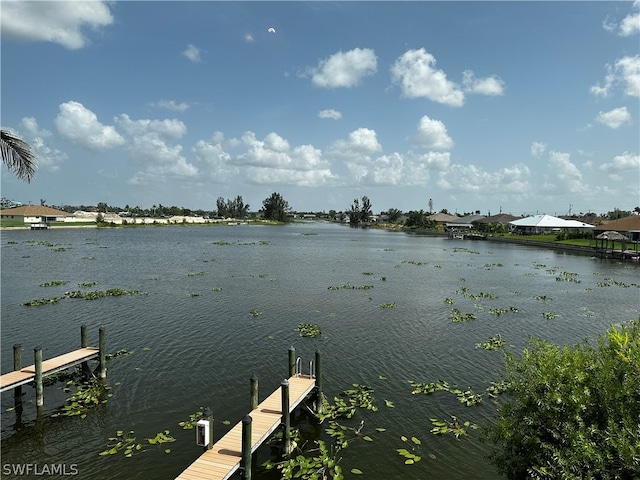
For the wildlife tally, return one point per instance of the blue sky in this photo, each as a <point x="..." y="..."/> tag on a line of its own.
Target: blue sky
<point x="519" y="107"/>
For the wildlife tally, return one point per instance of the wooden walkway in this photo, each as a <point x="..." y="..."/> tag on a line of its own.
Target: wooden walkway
<point x="223" y="460"/>
<point x="20" y="377"/>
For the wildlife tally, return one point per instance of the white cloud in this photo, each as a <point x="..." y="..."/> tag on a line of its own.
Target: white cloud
<point x="630" y="24"/>
<point x="330" y="113"/>
<point x="568" y="176"/>
<point x="171" y="105"/>
<point x="625" y="161"/>
<point x="537" y="148"/>
<point x="415" y="72"/>
<point x="361" y="142"/>
<point x="169" y="128"/>
<point x="432" y="134"/>
<point x="492" y="85"/>
<point x="57" y="22"/>
<point x="344" y="69"/>
<point x="614" y="118"/>
<point x="47" y="157"/>
<point x="470" y="178"/>
<point x="81" y="126"/>
<point x="192" y="53"/>
<point x="626" y="70"/>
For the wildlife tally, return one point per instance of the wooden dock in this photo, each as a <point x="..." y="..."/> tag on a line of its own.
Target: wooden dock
<point x="224" y="459"/>
<point x="234" y="450"/>
<point x="53" y="365"/>
<point x="41" y="368"/>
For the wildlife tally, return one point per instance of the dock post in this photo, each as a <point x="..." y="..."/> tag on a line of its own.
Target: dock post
<point x="318" y="382"/>
<point x="37" y="353"/>
<point x="246" y="448"/>
<point x="286" y="416"/>
<point x="102" y="346"/>
<point x="207" y="414"/>
<point x="83" y="336"/>
<point x="17" y="366"/>
<point x="254" y="392"/>
<point x="292" y="361"/>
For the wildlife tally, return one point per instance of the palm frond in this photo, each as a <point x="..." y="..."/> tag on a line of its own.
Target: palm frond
<point x="17" y="155"/>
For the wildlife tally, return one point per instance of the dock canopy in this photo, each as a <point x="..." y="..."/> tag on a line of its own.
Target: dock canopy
<point x="611" y="235"/>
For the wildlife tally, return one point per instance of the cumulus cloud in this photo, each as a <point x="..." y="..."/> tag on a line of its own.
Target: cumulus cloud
<point x="416" y="73"/>
<point x="169" y="128"/>
<point x="620" y="163"/>
<point x="48" y="157"/>
<point x="344" y="69"/>
<point x="470" y="178"/>
<point x="330" y="113"/>
<point x="80" y="125"/>
<point x="567" y="175"/>
<point x="59" y="22"/>
<point x="492" y="85"/>
<point x="171" y="105"/>
<point x="537" y="148"/>
<point x="614" y="118"/>
<point x="192" y="53"/>
<point x="361" y="141"/>
<point x="432" y="134"/>
<point x="625" y="71"/>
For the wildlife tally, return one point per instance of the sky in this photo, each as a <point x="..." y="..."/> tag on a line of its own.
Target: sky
<point x="507" y="106"/>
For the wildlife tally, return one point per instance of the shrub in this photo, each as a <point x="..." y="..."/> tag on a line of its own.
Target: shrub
<point x="573" y="412"/>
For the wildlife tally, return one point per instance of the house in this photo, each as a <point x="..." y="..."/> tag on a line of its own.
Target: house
<point x="628" y="226"/>
<point x="545" y="224"/>
<point x="34" y="214"/>
<point x="443" y="218"/>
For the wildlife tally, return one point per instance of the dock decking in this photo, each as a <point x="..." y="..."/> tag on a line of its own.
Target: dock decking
<point x="20" y="377"/>
<point x="223" y="460"/>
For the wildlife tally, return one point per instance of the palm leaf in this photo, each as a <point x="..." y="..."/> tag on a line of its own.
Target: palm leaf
<point x="17" y="155"/>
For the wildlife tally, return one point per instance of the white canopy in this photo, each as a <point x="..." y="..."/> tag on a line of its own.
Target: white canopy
<point x="547" y="221"/>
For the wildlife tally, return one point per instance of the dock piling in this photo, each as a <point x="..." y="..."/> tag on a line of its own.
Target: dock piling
<point x="83" y="336"/>
<point x="286" y="417"/>
<point x="318" y="382"/>
<point x="37" y="354"/>
<point x="103" y="352"/>
<point x="246" y="448"/>
<point x="17" y="366"/>
<point x="292" y="361"/>
<point x="254" y="392"/>
<point x="207" y="414"/>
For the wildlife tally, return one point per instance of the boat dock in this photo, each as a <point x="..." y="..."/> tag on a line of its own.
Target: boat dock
<point x="40" y="369"/>
<point x="233" y="451"/>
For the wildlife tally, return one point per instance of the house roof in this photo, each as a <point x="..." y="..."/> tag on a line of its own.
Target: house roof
<point x="443" y="217"/>
<point x="34" y="211"/>
<point x="500" y="218"/>
<point x="626" y="224"/>
<point x="548" y="221"/>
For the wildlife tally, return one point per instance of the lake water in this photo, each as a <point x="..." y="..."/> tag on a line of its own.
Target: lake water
<point x="195" y="342"/>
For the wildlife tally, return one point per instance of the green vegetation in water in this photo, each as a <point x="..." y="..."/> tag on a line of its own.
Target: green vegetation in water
<point x="465" y="250"/>
<point x="387" y="305"/>
<point x="88" y="394"/>
<point x="542" y="297"/>
<point x="609" y="282"/>
<point x="221" y="242"/>
<point x="54" y="283"/>
<point x="255" y="313"/>
<point x="193" y="294"/>
<point x="494" y="343"/>
<point x="549" y="315"/>
<point x="308" y="330"/>
<point x="216" y="289"/>
<point x="454" y="426"/>
<point x="126" y="443"/>
<point x="414" y="262"/>
<point x="456" y="316"/>
<point x="112" y="292"/>
<point x="568" y="277"/>
<point x="410" y="457"/>
<point x="87" y="284"/>
<point x="195" y="274"/>
<point x="120" y="353"/>
<point x="348" y="286"/>
<point x="42" y="301"/>
<point x="502" y="311"/>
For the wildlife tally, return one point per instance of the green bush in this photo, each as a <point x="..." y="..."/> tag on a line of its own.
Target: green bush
<point x="573" y="413"/>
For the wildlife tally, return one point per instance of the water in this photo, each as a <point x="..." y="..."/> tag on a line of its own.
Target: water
<point x="195" y="343"/>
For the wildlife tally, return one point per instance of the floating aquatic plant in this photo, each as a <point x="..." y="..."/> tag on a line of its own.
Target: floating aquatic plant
<point x="308" y="330"/>
<point x="454" y="426"/>
<point x="54" y="283"/>
<point x="493" y="343"/>
<point x="42" y="301"/>
<point x="255" y="313"/>
<point x="195" y="274"/>
<point x="387" y="305"/>
<point x="456" y="316"/>
<point x="88" y="394"/>
<point x="410" y="458"/>
<point x="87" y="284"/>
<point x="549" y="315"/>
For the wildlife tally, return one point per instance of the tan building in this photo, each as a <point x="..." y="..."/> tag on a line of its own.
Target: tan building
<point x="34" y="214"/>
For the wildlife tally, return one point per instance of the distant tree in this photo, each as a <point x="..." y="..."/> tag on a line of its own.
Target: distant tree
<point x="276" y="208"/>
<point x="332" y="214"/>
<point x="237" y="207"/>
<point x="354" y="212"/>
<point x="17" y="155"/>
<point x="102" y="207"/>
<point x="637" y="210"/>
<point x="617" y="213"/>
<point x="394" y="214"/>
<point x="365" y="209"/>
<point x="445" y="211"/>
<point x="221" y="207"/>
